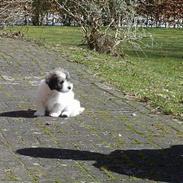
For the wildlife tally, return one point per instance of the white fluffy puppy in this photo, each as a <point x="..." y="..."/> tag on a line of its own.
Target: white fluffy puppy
<point x="56" y="97"/>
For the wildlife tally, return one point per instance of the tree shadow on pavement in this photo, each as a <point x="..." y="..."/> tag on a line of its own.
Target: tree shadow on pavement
<point x="19" y="114"/>
<point x="153" y="164"/>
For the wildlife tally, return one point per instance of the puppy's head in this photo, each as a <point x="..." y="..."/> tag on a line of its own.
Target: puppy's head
<point x="59" y="80"/>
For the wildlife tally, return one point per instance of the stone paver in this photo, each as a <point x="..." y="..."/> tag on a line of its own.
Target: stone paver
<point x="107" y="143"/>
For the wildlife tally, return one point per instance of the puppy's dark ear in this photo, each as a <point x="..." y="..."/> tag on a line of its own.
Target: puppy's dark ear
<point x="52" y="81"/>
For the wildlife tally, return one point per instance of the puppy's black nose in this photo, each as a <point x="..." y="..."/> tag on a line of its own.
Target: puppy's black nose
<point x="69" y="87"/>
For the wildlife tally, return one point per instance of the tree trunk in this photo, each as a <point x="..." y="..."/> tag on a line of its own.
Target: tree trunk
<point x="35" y="20"/>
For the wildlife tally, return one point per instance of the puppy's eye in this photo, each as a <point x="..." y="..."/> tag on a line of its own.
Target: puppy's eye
<point x="61" y="82"/>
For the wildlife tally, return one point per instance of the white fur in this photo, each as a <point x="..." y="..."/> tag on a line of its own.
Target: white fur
<point x="68" y="105"/>
<point x="43" y="94"/>
<point x="47" y="99"/>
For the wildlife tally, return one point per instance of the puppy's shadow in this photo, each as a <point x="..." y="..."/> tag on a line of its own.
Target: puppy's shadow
<point x="19" y="114"/>
<point x="24" y="114"/>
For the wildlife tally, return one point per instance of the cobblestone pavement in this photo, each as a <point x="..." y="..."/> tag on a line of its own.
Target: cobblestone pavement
<point x="114" y="140"/>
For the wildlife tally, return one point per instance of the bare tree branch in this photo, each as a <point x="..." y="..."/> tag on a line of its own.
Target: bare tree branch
<point x="13" y="10"/>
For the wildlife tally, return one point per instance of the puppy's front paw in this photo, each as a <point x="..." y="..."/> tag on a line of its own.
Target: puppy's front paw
<point x="65" y="115"/>
<point x="39" y="113"/>
<point x="81" y="109"/>
<point x="54" y="114"/>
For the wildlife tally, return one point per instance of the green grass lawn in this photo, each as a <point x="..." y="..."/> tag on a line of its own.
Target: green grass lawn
<point x="154" y="75"/>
